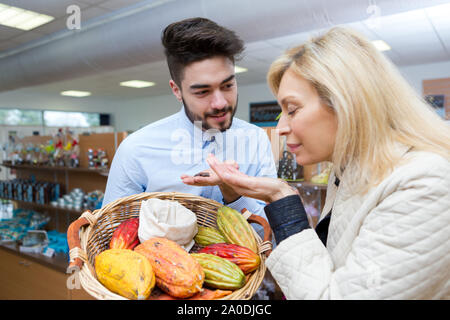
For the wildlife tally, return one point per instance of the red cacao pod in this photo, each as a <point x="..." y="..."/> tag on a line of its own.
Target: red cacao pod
<point x="126" y="235"/>
<point x="243" y="257"/>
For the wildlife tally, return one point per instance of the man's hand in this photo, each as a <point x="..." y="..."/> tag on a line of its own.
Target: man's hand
<point x="210" y="178"/>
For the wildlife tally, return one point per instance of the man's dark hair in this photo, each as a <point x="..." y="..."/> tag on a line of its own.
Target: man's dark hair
<point x="196" y="39"/>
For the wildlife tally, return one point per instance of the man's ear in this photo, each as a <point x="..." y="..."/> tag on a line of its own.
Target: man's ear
<point x="175" y="90"/>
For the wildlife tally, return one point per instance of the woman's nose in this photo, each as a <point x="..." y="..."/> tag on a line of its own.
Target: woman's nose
<point x="283" y="126"/>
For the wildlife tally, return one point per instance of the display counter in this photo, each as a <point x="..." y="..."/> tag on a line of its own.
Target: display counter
<point x="32" y="276"/>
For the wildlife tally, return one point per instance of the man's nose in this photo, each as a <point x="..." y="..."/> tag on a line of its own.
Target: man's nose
<point x="218" y="101"/>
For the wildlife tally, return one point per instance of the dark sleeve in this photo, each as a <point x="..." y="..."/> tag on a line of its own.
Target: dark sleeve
<point x="286" y="217"/>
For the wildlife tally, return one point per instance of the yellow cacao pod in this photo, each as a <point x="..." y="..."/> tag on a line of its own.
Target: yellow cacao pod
<point x="208" y="235"/>
<point x="235" y="228"/>
<point x="125" y="272"/>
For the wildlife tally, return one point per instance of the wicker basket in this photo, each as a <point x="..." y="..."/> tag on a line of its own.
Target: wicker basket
<point x="90" y="234"/>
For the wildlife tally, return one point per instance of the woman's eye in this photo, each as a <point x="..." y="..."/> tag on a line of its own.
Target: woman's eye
<point x="291" y="112"/>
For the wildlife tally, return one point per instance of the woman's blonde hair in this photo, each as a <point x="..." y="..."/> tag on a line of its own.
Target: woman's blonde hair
<point x="376" y="108"/>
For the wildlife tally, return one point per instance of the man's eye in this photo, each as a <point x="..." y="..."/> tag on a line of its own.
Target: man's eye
<point x="228" y="86"/>
<point x="199" y="93"/>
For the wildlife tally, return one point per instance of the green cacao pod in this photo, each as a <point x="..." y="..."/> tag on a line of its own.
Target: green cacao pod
<point x="208" y="235"/>
<point x="235" y="228"/>
<point x="219" y="272"/>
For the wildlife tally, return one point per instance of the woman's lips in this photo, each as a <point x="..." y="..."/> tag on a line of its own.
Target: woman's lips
<point x="293" y="147"/>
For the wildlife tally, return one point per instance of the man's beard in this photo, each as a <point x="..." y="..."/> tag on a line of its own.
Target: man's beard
<point x="205" y="126"/>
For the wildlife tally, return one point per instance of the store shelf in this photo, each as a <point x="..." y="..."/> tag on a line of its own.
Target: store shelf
<point x="44" y="206"/>
<point x="84" y="178"/>
<point x="103" y="172"/>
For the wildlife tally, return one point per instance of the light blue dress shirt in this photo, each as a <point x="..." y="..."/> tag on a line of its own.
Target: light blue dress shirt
<point x="153" y="158"/>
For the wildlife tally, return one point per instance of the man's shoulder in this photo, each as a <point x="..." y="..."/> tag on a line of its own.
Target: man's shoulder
<point x="167" y="122"/>
<point x="155" y="131"/>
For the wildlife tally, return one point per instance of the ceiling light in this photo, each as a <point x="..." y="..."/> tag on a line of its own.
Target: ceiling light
<point x="22" y="19"/>
<point x="381" y="45"/>
<point x="137" y="84"/>
<point x="75" y="93"/>
<point x="238" y="69"/>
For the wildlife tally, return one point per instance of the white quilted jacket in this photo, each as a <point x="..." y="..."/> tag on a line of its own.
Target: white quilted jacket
<point x="392" y="243"/>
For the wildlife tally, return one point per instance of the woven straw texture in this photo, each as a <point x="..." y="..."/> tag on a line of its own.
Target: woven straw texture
<point x="96" y="236"/>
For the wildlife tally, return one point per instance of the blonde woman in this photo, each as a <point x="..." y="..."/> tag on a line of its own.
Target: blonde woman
<point x="384" y="229"/>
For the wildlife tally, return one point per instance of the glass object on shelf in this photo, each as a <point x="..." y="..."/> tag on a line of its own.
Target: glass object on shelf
<point x="310" y="198"/>
<point x="322" y="173"/>
<point x="97" y="158"/>
<point x="288" y="168"/>
<point x="16" y="228"/>
<point x="285" y="166"/>
<point x="6" y="209"/>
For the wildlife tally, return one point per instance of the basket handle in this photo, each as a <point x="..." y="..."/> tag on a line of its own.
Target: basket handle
<point x="267" y="241"/>
<point x="73" y="238"/>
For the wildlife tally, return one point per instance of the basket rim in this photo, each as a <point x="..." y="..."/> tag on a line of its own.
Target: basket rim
<point x="88" y="278"/>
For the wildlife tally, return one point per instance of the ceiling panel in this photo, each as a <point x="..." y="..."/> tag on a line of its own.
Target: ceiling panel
<point x="5" y="45"/>
<point x="291" y="40"/>
<point x="118" y="4"/>
<point x="90" y="9"/>
<point x="439" y="17"/>
<point x="54" y="8"/>
<point x="26" y="37"/>
<point x="8" y="33"/>
<point x="92" y="2"/>
<point x="416" y="37"/>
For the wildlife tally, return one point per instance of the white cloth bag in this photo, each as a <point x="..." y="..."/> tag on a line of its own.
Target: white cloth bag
<point x="167" y="219"/>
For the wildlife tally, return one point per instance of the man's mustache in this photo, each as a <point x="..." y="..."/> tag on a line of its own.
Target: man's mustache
<point x="216" y="111"/>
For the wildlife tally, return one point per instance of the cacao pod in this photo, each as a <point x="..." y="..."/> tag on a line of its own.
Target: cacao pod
<point x="219" y="272"/>
<point x="243" y="257"/>
<point x="125" y="272"/>
<point x="235" y="228"/>
<point x="126" y="235"/>
<point x="177" y="273"/>
<point x="208" y="235"/>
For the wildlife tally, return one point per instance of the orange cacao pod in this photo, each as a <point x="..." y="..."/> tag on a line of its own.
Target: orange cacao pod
<point x="126" y="235"/>
<point x="243" y="257"/>
<point x="177" y="273"/>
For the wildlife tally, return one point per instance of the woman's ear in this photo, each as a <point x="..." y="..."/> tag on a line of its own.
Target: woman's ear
<point x="175" y="90"/>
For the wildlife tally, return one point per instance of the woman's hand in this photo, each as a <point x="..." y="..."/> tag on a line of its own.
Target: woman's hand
<point x="210" y="178"/>
<point x="262" y="188"/>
